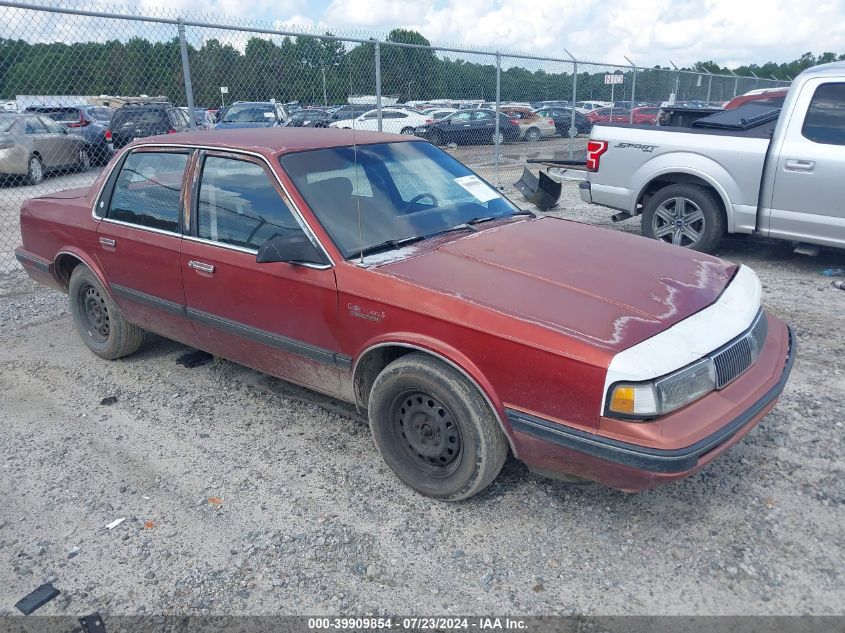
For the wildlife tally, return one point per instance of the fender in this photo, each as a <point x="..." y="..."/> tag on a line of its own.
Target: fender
<point x="697" y="165"/>
<point x="452" y="357"/>
<point x="85" y="259"/>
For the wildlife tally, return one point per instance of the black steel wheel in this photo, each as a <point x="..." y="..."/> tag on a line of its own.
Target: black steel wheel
<point x="95" y="312"/>
<point x="435" y="429"/>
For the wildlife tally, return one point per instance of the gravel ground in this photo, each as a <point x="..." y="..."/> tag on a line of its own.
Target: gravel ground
<point x="244" y="494"/>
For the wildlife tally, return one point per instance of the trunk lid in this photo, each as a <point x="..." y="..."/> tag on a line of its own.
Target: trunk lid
<point x="607" y="288"/>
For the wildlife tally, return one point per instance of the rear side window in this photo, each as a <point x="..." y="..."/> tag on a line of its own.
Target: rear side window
<point x="239" y="205"/>
<point x="825" y="120"/>
<point x="148" y="190"/>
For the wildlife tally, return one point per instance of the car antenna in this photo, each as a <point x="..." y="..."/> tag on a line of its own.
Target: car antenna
<point x="355" y="167"/>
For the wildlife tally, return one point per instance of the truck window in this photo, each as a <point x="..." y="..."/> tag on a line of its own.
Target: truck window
<point x="825" y="120"/>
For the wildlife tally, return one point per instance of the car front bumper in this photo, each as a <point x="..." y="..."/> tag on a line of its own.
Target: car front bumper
<point x="553" y="449"/>
<point x="14" y="160"/>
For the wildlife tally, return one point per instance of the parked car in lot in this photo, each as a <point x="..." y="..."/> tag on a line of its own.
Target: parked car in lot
<point x="755" y="169"/>
<point x="88" y="121"/>
<point x="246" y="114"/>
<point x="395" y="120"/>
<point x="351" y="111"/>
<point x="775" y="96"/>
<point x="203" y="119"/>
<point x="138" y="120"/>
<point x="379" y="270"/>
<point x="309" y="118"/>
<point x="562" y="118"/>
<point x="645" y="115"/>
<point x="609" y="115"/>
<point x="585" y="107"/>
<point x="435" y="114"/>
<point x="532" y="126"/>
<point x="33" y="146"/>
<point x="470" y="127"/>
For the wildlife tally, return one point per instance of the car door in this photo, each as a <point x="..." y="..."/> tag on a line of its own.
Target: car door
<point x="483" y="124"/>
<point x="139" y="239"/>
<point x="42" y="141"/>
<point x="808" y="196"/>
<point x="62" y="144"/>
<point x="280" y="318"/>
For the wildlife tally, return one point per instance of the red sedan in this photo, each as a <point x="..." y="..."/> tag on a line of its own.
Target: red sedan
<point x="378" y="269"/>
<point x="609" y="115"/>
<point x="646" y="115"/>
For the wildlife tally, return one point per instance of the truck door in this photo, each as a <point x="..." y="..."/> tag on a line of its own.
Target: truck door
<point x="808" y="194"/>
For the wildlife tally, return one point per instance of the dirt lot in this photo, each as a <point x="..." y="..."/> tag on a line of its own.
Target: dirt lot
<point x="310" y="520"/>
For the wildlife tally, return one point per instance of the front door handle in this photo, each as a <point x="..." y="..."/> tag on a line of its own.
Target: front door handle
<point x="795" y="164"/>
<point x="108" y="242"/>
<point x="200" y="266"/>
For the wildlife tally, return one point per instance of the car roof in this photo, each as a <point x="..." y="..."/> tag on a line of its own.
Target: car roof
<point x="276" y="140"/>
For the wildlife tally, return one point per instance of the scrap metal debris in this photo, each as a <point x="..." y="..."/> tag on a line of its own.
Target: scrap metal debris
<point x="37" y="598"/>
<point x="542" y="192"/>
<point x="197" y="358"/>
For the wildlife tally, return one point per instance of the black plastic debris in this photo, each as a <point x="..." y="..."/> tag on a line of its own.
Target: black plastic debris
<point x="195" y="359"/>
<point x="93" y="623"/>
<point x="542" y="192"/>
<point x="37" y="598"/>
<point x="108" y="400"/>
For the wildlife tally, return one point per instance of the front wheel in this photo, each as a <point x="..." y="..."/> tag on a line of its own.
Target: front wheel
<point x="684" y="215"/>
<point x="498" y="138"/>
<point x="35" y="171"/>
<point x="434" y="429"/>
<point x="99" y="321"/>
<point x="407" y="131"/>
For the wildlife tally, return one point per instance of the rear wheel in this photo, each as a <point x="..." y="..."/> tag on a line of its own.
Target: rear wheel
<point x="498" y="138"/>
<point x="434" y="429"/>
<point x="83" y="159"/>
<point x="532" y="134"/>
<point x="99" y="321"/>
<point x="407" y="131"/>
<point x="35" y="170"/>
<point x="684" y="215"/>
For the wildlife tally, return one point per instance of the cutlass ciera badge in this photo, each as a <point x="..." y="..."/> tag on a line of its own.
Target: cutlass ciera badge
<point x="365" y="313"/>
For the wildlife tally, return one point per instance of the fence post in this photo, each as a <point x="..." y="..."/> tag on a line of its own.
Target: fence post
<point x="573" y="132"/>
<point x="186" y="72"/>
<point x="633" y="90"/>
<point x="709" y="86"/>
<point x="498" y="101"/>
<point x="378" y="84"/>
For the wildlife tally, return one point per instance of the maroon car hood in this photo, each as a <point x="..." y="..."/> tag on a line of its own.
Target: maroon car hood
<point x="608" y="288"/>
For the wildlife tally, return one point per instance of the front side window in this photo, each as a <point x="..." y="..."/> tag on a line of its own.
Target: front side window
<point x="239" y="205"/>
<point x="388" y="193"/>
<point x="52" y="126"/>
<point x="825" y="120"/>
<point x="34" y="126"/>
<point x="148" y="190"/>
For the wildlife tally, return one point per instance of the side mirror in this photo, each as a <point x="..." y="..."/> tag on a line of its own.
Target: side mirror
<point x="294" y="249"/>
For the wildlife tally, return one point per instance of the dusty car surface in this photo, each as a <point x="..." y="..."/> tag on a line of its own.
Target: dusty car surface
<point x="378" y="269"/>
<point x="32" y="146"/>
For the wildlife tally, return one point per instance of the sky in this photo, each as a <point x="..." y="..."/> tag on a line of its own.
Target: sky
<point x="729" y="32"/>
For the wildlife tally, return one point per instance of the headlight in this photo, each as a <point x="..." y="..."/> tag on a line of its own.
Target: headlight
<point x="652" y="398"/>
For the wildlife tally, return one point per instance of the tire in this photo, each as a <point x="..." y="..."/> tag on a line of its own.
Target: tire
<point x="700" y="226"/>
<point x="501" y="137"/>
<point x="83" y="159"/>
<point x="532" y="135"/>
<point x="407" y="131"/>
<point x="35" y="170"/>
<point x="434" y="429"/>
<point x="98" y="320"/>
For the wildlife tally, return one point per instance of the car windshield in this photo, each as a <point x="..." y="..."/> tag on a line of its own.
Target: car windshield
<point x="249" y="113"/>
<point x="377" y="197"/>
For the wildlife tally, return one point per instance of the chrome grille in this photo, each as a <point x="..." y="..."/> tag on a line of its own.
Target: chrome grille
<point x="738" y="355"/>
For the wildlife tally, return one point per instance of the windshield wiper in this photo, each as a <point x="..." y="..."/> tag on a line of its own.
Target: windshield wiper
<point x="479" y="220"/>
<point x="393" y="244"/>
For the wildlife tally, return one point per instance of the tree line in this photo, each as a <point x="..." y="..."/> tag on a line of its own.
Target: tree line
<point x="312" y="70"/>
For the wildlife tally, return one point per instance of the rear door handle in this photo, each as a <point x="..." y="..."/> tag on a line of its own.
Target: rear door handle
<point x="795" y="164"/>
<point x="108" y="242"/>
<point x="200" y="266"/>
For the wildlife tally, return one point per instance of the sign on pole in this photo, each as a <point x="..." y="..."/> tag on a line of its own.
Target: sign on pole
<point x="224" y="90"/>
<point x="614" y="79"/>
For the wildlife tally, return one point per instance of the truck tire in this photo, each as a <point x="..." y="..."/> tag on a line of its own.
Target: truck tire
<point x="685" y="215"/>
<point x="99" y="321"/>
<point x="434" y="429"/>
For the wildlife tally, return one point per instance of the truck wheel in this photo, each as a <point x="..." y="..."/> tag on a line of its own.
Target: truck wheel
<point x="684" y="215"/>
<point x="98" y="320"/>
<point x="434" y="429"/>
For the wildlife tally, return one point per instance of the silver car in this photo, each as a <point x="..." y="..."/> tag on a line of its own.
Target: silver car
<point x="31" y="146"/>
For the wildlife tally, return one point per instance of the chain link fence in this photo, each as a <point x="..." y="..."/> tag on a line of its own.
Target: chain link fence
<point x="71" y="79"/>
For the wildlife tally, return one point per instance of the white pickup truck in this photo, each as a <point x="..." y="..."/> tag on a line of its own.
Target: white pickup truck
<point x="782" y="179"/>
